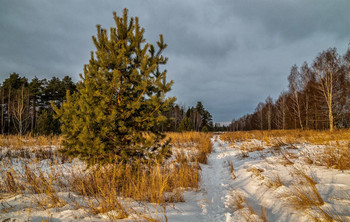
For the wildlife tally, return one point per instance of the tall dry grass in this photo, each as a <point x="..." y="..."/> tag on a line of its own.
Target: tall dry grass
<point x="336" y="153"/>
<point x="26" y="141"/>
<point x="103" y="187"/>
<point x="336" y="156"/>
<point x="155" y="183"/>
<point x="196" y="140"/>
<point x="239" y="203"/>
<point x="303" y="195"/>
<point x="273" y="137"/>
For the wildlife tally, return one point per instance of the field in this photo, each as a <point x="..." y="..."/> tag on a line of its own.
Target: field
<point x="288" y="175"/>
<point x="238" y="176"/>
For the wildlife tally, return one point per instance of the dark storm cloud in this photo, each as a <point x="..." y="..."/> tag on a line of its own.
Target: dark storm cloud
<point x="229" y="54"/>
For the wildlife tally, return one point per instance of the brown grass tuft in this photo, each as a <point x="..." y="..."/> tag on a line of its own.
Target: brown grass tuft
<point x="232" y="170"/>
<point x="240" y="203"/>
<point x="256" y="172"/>
<point x="274" y="182"/>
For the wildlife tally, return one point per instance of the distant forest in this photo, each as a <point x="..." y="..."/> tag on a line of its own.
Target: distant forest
<point x="26" y="108"/>
<point x="318" y="98"/>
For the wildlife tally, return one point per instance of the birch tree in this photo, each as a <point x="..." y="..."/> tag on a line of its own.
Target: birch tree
<point x="20" y="110"/>
<point x="327" y="68"/>
<point x="294" y="88"/>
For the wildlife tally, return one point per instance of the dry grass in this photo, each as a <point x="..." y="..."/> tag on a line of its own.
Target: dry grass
<point x="104" y="188"/>
<point x="250" y="147"/>
<point x="239" y="136"/>
<point x="25" y="141"/>
<point x="154" y="183"/>
<point x="196" y="140"/>
<point x="256" y="172"/>
<point x="243" y="154"/>
<point x="274" y="181"/>
<point x="285" y="157"/>
<point x="331" y="149"/>
<point x="307" y="198"/>
<point x="303" y="177"/>
<point x="262" y="217"/>
<point x="336" y="153"/>
<point x="188" y="138"/>
<point x="303" y="195"/>
<point x="240" y="203"/>
<point x="232" y="170"/>
<point x="337" y="157"/>
<point x="281" y="137"/>
<point x="31" y="180"/>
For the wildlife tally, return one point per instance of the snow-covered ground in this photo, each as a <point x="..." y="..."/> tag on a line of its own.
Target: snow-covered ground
<point x="252" y="188"/>
<point x="243" y="181"/>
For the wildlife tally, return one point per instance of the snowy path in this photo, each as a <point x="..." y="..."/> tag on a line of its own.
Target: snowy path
<point x="216" y="182"/>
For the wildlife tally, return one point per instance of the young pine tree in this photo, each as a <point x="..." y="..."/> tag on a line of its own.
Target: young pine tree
<point x="117" y="110"/>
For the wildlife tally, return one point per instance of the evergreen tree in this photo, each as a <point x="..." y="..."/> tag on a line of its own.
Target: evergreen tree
<point x="206" y="118"/>
<point x="186" y="124"/>
<point x="46" y="123"/>
<point x="117" y="110"/>
<point x="35" y="92"/>
<point x="205" y="129"/>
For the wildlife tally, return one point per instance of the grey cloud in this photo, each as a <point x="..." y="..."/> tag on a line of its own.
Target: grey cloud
<point x="229" y="54"/>
<point x="294" y="19"/>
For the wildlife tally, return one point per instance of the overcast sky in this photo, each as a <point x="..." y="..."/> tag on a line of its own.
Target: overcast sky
<point x="229" y="54"/>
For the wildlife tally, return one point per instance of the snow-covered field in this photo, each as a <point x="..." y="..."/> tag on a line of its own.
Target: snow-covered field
<point x="263" y="185"/>
<point x="243" y="181"/>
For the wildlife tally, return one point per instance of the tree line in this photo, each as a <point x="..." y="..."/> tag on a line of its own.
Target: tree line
<point x="26" y="107"/>
<point x="318" y="98"/>
<point x="192" y="118"/>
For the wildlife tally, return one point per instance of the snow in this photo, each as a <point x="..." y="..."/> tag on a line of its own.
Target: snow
<point x="216" y="182"/>
<point x="222" y="196"/>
